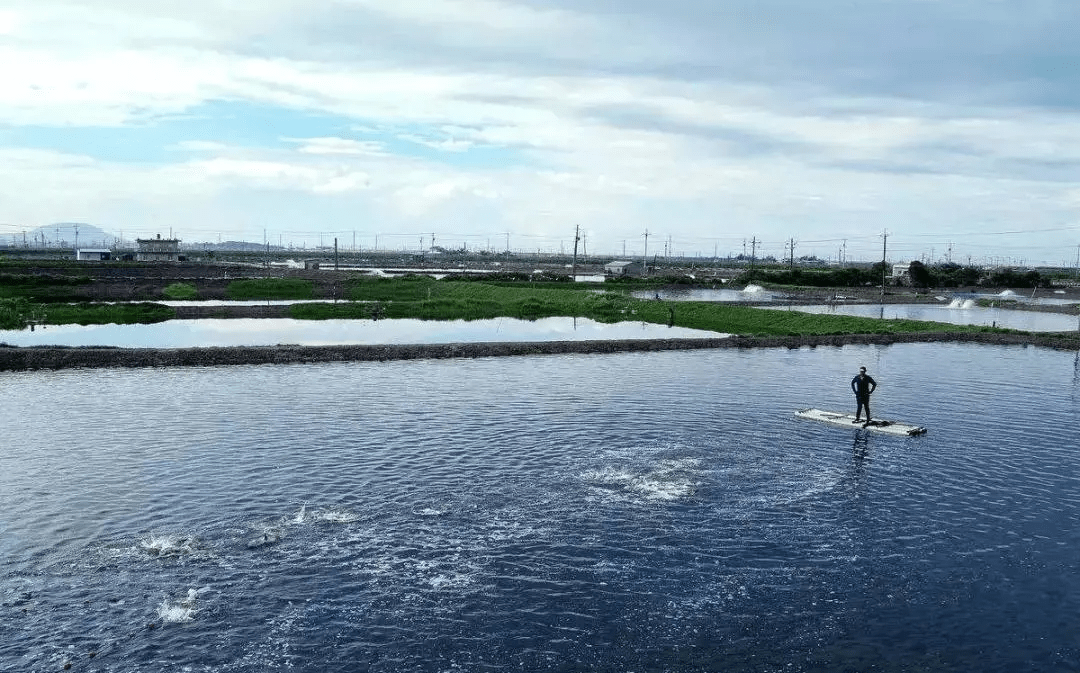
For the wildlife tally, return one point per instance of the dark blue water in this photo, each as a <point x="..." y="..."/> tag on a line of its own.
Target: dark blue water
<point x="633" y="512"/>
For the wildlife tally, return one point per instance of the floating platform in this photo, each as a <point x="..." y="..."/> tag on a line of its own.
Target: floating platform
<point x="848" y="421"/>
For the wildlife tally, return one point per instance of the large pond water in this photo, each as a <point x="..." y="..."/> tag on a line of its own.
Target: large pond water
<point x="629" y="512"/>
<point x="205" y="332"/>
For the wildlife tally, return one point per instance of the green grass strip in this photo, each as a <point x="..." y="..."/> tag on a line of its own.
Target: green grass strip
<point x="180" y="291"/>
<point x="104" y="314"/>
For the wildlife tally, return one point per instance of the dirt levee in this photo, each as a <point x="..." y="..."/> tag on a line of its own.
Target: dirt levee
<point x="29" y="358"/>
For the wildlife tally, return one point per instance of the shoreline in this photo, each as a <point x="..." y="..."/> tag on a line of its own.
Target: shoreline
<point x="32" y="358"/>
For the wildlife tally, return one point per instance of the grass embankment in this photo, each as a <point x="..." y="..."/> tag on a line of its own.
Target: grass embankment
<point x="428" y="299"/>
<point x="103" y="314"/>
<point x="48" y="299"/>
<point x="180" y="291"/>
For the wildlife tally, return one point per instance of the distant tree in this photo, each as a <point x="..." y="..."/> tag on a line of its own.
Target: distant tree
<point x="1014" y="278"/>
<point x="920" y="275"/>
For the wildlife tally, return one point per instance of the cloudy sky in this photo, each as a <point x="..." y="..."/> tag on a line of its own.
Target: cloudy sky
<point x="951" y="125"/>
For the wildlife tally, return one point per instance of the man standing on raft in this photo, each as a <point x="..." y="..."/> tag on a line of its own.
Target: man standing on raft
<point x="863" y="386"/>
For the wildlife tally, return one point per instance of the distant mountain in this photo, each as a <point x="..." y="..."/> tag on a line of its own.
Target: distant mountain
<point x="70" y="234"/>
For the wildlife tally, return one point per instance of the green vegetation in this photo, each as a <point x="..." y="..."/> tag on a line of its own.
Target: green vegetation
<point x="180" y="291"/>
<point x="270" y="288"/>
<point x="845" y="277"/>
<point x="427" y="299"/>
<point x="920" y="275"/>
<point x="523" y="296"/>
<point x="103" y="314"/>
<point x="15" y="313"/>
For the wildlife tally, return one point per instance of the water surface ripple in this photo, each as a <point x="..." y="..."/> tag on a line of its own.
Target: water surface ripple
<point x="660" y="511"/>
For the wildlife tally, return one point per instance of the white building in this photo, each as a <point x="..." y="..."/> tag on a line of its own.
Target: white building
<point x="621" y="268"/>
<point x="93" y="254"/>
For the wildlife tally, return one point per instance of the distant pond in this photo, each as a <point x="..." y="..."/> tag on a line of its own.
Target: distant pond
<point x="274" y="331"/>
<point x="955" y="314"/>
<point x="752" y="293"/>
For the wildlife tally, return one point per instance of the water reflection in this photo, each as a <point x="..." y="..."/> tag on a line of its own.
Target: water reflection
<point x="860" y="454"/>
<point x="959" y="314"/>
<point x="752" y="293"/>
<point x="274" y="331"/>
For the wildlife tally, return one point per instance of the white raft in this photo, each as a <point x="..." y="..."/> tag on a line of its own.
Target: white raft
<point x="848" y="421"/>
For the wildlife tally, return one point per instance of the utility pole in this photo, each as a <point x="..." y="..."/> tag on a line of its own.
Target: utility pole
<point x="791" y="259"/>
<point x="335" y="254"/>
<point x="884" y="244"/>
<point x="577" y="237"/>
<point x="753" y="254"/>
<point x="645" y="257"/>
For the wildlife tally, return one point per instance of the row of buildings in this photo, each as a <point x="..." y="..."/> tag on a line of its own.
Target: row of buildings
<point x="150" y="250"/>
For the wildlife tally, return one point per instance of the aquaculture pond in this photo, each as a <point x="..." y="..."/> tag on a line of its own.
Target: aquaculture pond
<point x="629" y="512"/>
<point x="275" y="331"/>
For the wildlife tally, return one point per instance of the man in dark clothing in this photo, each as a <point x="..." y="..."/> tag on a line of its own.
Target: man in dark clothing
<point x="863" y="386"/>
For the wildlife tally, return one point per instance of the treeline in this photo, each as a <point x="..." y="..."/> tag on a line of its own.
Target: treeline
<point x="919" y="275"/>
<point x="954" y="275"/>
<point x="844" y="277"/>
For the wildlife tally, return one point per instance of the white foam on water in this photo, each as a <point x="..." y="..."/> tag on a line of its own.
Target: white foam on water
<point x="962" y="303"/>
<point x="179" y="611"/>
<point x="165" y="545"/>
<point x="753" y="289"/>
<point x="668" y="481"/>
<point x="332" y="515"/>
<point x="432" y="511"/>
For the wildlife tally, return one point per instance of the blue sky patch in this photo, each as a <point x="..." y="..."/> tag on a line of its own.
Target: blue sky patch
<point x="239" y="124"/>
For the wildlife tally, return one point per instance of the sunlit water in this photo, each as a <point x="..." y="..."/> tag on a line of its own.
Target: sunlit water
<point x="955" y="313"/>
<point x="751" y="293"/>
<point x="1045" y="297"/>
<point x="274" y="331"/>
<point x="632" y="512"/>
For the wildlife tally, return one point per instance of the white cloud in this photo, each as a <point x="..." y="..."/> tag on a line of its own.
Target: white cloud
<point x="617" y="121"/>
<point x="338" y="146"/>
<point x="9" y="21"/>
<point x="199" y="146"/>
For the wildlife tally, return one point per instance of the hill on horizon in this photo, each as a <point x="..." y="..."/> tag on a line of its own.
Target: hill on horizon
<point x="67" y="235"/>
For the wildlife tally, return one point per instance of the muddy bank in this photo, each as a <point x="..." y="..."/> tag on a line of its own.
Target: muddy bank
<point x="31" y="358"/>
